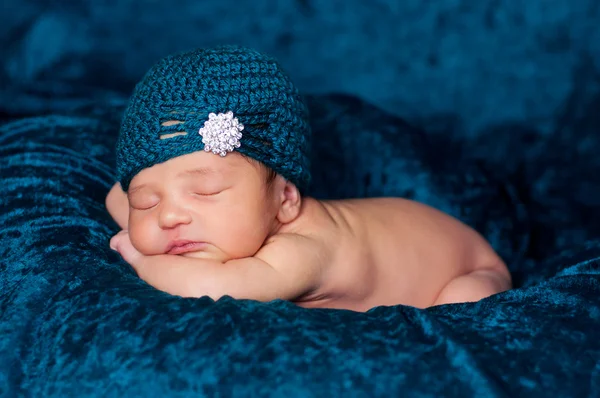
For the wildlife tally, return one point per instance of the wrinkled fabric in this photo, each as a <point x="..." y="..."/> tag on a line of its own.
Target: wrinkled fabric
<point x="452" y="65"/>
<point x="506" y="102"/>
<point x="76" y="320"/>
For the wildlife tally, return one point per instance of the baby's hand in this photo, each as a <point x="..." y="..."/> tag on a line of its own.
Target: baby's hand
<point x="122" y="244"/>
<point x="170" y="273"/>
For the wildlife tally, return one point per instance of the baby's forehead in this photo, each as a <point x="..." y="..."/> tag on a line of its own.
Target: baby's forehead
<point x="201" y="164"/>
<point x="208" y="162"/>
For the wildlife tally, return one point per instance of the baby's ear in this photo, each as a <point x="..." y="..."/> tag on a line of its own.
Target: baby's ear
<point x="290" y="201"/>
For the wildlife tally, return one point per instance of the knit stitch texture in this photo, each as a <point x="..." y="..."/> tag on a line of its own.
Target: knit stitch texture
<point x="185" y="88"/>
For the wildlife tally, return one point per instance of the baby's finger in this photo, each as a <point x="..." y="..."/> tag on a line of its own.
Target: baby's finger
<point x="114" y="242"/>
<point x="128" y="252"/>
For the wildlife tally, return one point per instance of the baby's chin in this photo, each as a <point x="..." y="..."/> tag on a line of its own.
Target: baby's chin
<point x="205" y="255"/>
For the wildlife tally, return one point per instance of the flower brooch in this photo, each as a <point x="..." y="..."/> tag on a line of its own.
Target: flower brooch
<point x="221" y="133"/>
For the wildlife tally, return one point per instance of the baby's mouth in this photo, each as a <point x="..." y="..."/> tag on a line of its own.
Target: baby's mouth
<point x="184" y="246"/>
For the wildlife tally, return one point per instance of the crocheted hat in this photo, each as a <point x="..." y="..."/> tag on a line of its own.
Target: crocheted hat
<point x="217" y="99"/>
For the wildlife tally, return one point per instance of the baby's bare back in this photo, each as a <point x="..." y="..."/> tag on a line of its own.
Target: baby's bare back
<point x="389" y="251"/>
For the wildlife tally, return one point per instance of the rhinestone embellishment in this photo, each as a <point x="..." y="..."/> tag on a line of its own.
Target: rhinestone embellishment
<point x="221" y="133"/>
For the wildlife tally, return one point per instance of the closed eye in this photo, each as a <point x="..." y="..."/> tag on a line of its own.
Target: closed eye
<point x="207" y="193"/>
<point x="138" y="202"/>
<point x="143" y="207"/>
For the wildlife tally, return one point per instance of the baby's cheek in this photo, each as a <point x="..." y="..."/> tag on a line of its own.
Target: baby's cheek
<point x="247" y="235"/>
<point x="237" y="226"/>
<point x="142" y="236"/>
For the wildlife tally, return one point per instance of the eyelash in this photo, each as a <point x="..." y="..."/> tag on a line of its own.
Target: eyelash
<point x="195" y="193"/>
<point x="144" y="208"/>
<point x="207" y="194"/>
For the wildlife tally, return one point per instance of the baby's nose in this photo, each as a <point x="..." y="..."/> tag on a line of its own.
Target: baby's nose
<point x="171" y="216"/>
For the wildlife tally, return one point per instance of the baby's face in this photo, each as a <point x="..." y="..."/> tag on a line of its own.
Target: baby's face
<point x="221" y="206"/>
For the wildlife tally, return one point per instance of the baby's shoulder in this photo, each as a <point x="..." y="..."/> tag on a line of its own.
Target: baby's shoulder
<point x="307" y="236"/>
<point x="289" y="252"/>
<point x="290" y="243"/>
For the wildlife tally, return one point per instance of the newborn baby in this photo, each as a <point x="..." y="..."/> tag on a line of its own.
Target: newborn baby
<point x="212" y="161"/>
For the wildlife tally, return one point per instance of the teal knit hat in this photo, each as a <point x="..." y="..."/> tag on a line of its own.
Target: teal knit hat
<point x="223" y="98"/>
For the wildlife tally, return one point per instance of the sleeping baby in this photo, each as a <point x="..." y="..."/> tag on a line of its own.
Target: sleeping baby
<point x="213" y="166"/>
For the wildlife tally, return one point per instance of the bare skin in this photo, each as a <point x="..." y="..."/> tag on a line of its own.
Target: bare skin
<point x="222" y="230"/>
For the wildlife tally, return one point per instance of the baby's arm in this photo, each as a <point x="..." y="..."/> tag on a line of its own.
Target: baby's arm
<point x="286" y="268"/>
<point x="117" y="205"/>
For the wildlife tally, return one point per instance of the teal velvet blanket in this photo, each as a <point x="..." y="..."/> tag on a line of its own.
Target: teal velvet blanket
<point x="76" y="320"/>
<point x="514" y="155"/>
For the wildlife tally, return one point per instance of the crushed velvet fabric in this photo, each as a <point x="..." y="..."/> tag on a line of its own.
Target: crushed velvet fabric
<point x="506" y="100"/>
<point x="76" y="320"/>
